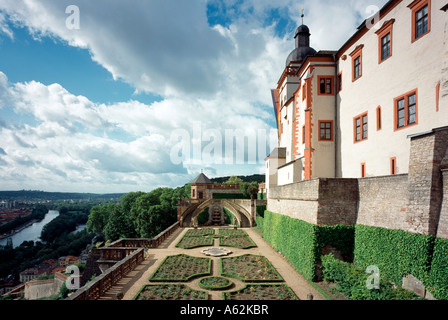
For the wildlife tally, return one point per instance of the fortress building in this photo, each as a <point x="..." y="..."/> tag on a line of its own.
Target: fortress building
<point x="376" y="109"/>
<point x="350" y="113"/>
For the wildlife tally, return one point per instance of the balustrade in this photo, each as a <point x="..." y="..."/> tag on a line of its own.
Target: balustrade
<point x="129" y="253"/>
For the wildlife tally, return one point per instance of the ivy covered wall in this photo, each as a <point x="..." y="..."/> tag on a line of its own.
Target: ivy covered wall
<point x="396" y="253"/>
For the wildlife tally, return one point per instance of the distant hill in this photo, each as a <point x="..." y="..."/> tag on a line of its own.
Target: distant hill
<point x="260" y="178"/>
<point x="43" y="195"/>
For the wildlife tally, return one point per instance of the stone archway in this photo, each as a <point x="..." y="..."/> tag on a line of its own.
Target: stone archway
<point x="189" y="216"/>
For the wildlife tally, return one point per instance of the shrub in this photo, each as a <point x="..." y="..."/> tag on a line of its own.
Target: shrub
<point x="302" y="246"/>
<point x="395" y="252"/>
<point x="351" y="280"/>
<point x="438" y="276"/>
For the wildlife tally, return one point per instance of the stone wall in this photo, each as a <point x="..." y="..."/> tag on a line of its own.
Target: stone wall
<point x="38" y="289"/>
<point x="383" y="201"/>
<point x="338" y="200"/>
<point x="442" y="231"/>
<point x="317" y="201"/>
<point x="298" y="200"/>
<point x="415" y="202"/>
<point x="425" y="181"/>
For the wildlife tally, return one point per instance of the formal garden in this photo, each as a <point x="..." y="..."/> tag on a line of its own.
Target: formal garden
<point x="237" y="276"/>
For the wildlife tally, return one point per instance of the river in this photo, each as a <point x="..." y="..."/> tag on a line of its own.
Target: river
<point x="31" y="233"/>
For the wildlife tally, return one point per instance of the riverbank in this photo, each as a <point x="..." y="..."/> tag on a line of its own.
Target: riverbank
<point x="31" y="230"/>
<point x="19" y="229"/>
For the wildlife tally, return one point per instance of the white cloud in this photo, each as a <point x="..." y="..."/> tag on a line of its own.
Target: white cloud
<point x="216" y="75"/>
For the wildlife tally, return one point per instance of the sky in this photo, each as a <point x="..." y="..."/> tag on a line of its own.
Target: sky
<point x="114" y="96"/>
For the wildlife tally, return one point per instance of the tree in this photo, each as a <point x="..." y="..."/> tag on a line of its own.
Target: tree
<point x="118" y="224"/>
<point x="97" y="219"/>
<point x="249" y="189"/>
<point x="153" y="213"/>
<point x="234" y="180"/>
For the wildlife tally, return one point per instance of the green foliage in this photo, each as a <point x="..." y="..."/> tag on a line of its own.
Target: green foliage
<point x="138" y="214"/>
<point x="39" y="212"/>
<point x="260" y="210"/>
<point x="234" y="180"/>
<point x="64" y="223"/>
<point x="249" y="189"/>
<point x="97" y="218"/>
<point x="229" y="218"/>
<point x="351" y="280"/>
<point x="64" y="291"/>
<point x="118" y="226"/>
<point x="395" y="252"/>
<point x="438" y="275"/>
<point x="297" y="247"/>
<point x="302" y="246"/>
<point x="204" y="216"/>
<point x="15" y="260"/>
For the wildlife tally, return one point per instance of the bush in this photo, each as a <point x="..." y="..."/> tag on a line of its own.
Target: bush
<point x="438" y="276"/>
<point x="351" y="280"/>
<point x="260" y="210"/>
<point x="204" y="216"/>
<point x="395" y="252"/>
<point x="302" y="246"/>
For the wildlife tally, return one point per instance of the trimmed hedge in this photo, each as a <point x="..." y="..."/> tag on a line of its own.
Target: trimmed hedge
<point x="351" y="280"/>
<point x="302" y="247"/>
<point x="395" y="252"/>
<point x="398" y="253"/>
<point x="438" y="275"/>
<point x="260" y="210"/>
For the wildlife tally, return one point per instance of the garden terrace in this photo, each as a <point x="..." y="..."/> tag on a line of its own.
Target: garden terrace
<point x="146" y="281"/>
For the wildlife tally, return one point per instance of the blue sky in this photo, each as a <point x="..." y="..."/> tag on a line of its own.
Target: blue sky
<point x="98" y="109"/>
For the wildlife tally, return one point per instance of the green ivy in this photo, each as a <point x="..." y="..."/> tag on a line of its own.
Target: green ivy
<point x="351" y="280"/>
<point x="302" y="246"/>
<point x="438" y="275"/>
<point x="260" y="210"/>
<point x="395" y="252"/>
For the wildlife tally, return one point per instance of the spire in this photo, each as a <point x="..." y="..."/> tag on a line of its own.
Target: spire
<point x="303" y="15"/>
<point x="302" y="43"/>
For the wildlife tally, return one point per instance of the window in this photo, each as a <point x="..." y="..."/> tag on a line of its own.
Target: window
<point x="357" y="68"/>
<point x="304" y="92"/>
<point x="378" y="119"/>
<point x="303" y="134"/>
<point x="360" y="127"/>
<point x="340" y="82"/>
<point x="357" y="62"/>
<point x="363" y="170"/>
<point x="325" y="130"/>
<point x="421" y="18"/>
<point x="385" y="47"/>
<point x="406" y="110"/>
<point x="393" y="165"/>
<point x="325" y="85"/>
<point x="421" y="22"/>
<point x="385" y="40"/>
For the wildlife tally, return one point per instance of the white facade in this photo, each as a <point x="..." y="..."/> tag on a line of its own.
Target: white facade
<point x="414" y="66"/>
<point x="349" y="113"/>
